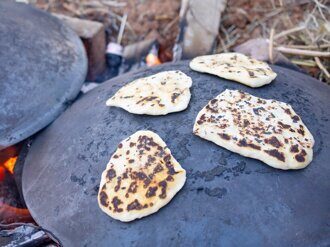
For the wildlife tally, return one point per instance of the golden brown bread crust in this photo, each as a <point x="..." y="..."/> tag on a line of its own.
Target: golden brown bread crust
<point x="141" y="177"/>
<point x="267" y="130"/>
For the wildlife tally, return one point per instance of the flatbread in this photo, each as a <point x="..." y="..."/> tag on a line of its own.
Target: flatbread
<point x="236" y="67"/>
<point x="158" y="94"/>
<point x="141" y="177"/>
<point x="267" y="130"/>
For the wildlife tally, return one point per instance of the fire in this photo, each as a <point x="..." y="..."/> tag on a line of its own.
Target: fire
<point x="152" y="60"/>
<point x="9" y="164"/>
<point x="9" y="213"/>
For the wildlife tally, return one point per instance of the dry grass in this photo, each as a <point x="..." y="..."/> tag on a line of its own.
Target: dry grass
<point x="300" y="30"/>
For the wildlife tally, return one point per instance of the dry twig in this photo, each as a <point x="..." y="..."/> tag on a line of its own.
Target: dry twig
<point x="271" y="40"/>
<point x="303" y="52"/>
<point x="321" y="66"/>
<point x="290" y="31"/>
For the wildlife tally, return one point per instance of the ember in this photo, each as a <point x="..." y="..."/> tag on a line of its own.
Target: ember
<point x="16" y="223"/>
<point x="10" y="164"/>
<point x="11" y="207"/>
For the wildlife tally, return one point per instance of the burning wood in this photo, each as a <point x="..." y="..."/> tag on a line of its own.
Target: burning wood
<point x="9" y="214"/>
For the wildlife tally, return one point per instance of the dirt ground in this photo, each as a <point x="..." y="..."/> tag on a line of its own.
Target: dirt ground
<point x="145" y="18"/>
<point x="302" y="24"/>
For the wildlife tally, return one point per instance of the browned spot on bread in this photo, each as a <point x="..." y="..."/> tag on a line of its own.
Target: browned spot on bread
<point x="171" y="170"/>
<point x="224" y="136"/>
<point x="146" y="99"/>
<point x="174" y="97"/>
<point x="115" y="156"/>
<point x="213" y="110"/>
<point x="141" y="175"/>
<point x="104" y="199"/>
<point x="275" y="153"/>
<point x="251" y="74"/>
<point x="295" y="118"/>
<point x="163" y="185"/>
<point x="283" y="126"/>
<point x="120" y="145"/>
<point x="169" y="178"/>
<point x="257" y="110"/>
<point x="301" y="156"/>
<point x="131" y="144"/>
<point x="116" y="202"/>
<point x="131" y="161"/>
<point x="125" y="174"/>
<point x="243" y="143"/>
<point x="150" y="160"/>
<point x="246" y="123"/>
<point x="214" y="101"/>
<point x="132" y="188"/>
<point x="145" y="143"/>
<point x="117" y="187"/>
<point x="135" y="205"/>
<point x="201" y="120"/>
<point x="222" y="126"/>
<point x="146" y="182"/>
<point x="167" y="158"/>
<point x="158" y="168"/>
<point x="261" y="101"/>
<point x="294" y="148"/>
<point x="287" y="111"/>
<point x="151" y="191"/>
<point x="111" y="174"/>
<point x="274" y="142"/>
<point x="169" y="166"/>
<point x="301" y="130"/>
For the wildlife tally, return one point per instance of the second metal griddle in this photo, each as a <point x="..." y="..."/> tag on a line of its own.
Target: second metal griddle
<point x="227" y="199"/>
<point x="42" y="68"/>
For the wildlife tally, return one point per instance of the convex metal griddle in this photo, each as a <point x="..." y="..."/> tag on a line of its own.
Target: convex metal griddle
<point x="227" y="199"/>
<point x="42" y="68"/>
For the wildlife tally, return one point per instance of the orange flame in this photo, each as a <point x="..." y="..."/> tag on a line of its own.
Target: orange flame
<point x="152" y="60"/>
<point x="10" y="164"/>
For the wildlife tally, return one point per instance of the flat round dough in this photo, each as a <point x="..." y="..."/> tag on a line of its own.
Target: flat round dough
<point x="158" y="94"/>
<point x="141" y="177"/>
<point x="267" y="130"/>
<point x="236" y="67"/>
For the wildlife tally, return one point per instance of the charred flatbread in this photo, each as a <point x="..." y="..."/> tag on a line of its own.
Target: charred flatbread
<point x="158" y="94"/>
<point x="236" y="67"/>
<point x="267" y="130"/>
<point x="141" y="177"/>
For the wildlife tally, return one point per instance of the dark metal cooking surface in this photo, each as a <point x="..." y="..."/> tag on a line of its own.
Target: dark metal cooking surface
<point x="42" y="67"/>
<point x="227" y="199"/>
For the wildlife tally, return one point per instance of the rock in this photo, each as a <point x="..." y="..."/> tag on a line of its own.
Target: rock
<point x="202" y="21"/>
<point x="92" y="34"/>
